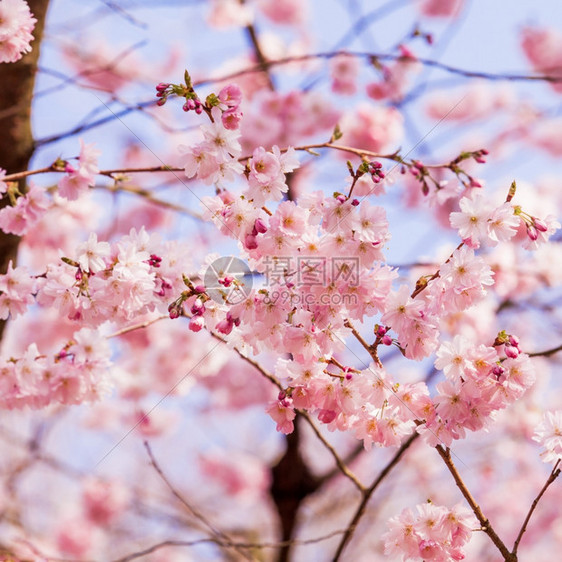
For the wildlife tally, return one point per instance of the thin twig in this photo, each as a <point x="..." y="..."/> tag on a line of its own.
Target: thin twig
<point x="134" y="327"/>
<point x="248" y="545"/>
<point x="486" y="526"/>
<point x="341" y="465"/>
<point x="383" y="57"/>
<point x="350" y="530"/>
<point x="253" y="37"/>
<point x="148" y="196"/>
<point x="547" y="352"/>
<point x="343" y="468"/>
<point x="553" y="476"/>
<point x="196" y="513"/>
<point x="371" y="350"/>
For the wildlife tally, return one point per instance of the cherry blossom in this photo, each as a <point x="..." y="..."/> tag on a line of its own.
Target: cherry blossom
<point x="16" y="24"/>
<point x="549" y="434"/>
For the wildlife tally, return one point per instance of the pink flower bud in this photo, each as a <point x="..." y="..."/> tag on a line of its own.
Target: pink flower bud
<point x="540" y="225"/>
<point x="260" y="226"/>
<point x="224" y="327"/>
<point x="498" y="371"/>
<point x="327" y="416"/>
<point x="196" y="323"/>
<point x="197" y="308"/>
<point x="532" y="232"/>
<point x="406" y="52"/>
<point x="162" y="86"/>
<point x="386" y="340"/>
<point x="250" y="242"/>
<point x="287" y="402"/>
<point x="199" y="289"/>
<point x="161" y="102"/>
<point x="381" y="331"/>
<point x="511" y="351"/>
<point x="341" y="198"/>
<point x="514" y="341"/>
<point x="355" y="202"/>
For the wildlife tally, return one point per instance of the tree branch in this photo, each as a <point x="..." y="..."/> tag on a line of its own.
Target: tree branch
<point x="196" y="513"/>
<point x="369" y="492"/>
<point x="547" y="352"/>
<point x="553" y="476"/>
<point x="445" y="454"/>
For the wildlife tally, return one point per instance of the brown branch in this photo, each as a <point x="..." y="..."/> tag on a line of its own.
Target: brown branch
<point x="148" y="196"/>
<point x="339" y="462"/>
<point x="139" y="326"/>
<point x="196" y="513"/>
<point x="165" y="168"/>
<point x="546" y="353"/>
<point x="383" y="57"/>
<point x="341" y="465"/>
<point x="371" y="350"/>
<point x="486" y="526"/>
<point x="288" y="60"/>
<point x="350" y="530"/>
<point x="253" y="37"/>
<point x="248" y="545"/>
<point x="553" y="476"/>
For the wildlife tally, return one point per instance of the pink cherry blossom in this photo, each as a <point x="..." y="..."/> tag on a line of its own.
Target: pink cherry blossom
<point x="549" y="435"/>
<point x="441" y="8"/>
<point x="16" y="25"/>
<point x="344" y="70"/>
<point x="91" y="254"/>
<point x="79" y="180"/>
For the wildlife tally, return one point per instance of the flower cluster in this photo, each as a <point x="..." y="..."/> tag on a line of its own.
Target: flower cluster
<point x="78" y="180"/>
<point x="17" y="290"/>
<point x="549" y="434"/>
<point x="16" y="24"/>
<point x="479" y="222"/>
<point x="480" y="380"/>
<point x="135" y="275"/>
<point x="434" y="533"/>
<point x="26" y="209"/>
<point x="77" y="373"/>
<point x="214" y="160"/>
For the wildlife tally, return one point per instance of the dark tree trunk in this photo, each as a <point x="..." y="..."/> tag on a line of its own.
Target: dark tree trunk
<point x="292" y="483"/>
<point x="17" y="81"/>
